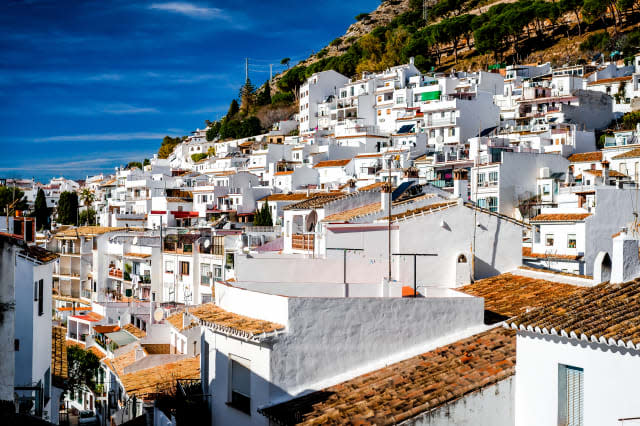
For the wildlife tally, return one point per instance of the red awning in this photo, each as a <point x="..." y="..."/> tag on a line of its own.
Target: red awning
<point x="158" y="212"/>
<point x="183" y="214"/>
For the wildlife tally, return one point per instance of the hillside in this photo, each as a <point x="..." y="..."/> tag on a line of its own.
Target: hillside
<point x="475" y="34"/>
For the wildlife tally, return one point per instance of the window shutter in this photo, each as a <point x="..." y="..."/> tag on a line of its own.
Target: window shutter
<point x="575" y="396"/>
<point x="40" y="297"/>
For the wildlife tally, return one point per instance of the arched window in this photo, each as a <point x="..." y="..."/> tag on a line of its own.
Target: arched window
<point x="462" y="259"/>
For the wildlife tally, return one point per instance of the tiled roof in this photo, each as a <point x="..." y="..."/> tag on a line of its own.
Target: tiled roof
<point x="609" y="80"/>
<point x="526" y="252"/>
<point x="634" y="153"/>
<point x="283" y="173"/>
<point x="176" y="320"/>
<point x="509" y="295"/>
<point x="373" y="155"/>
<point x="39" y="253"/>
<point x="134" y="330"/>
<point x="59" y="366"/>
<point x="560" y="217"/>
<point x="347" y="215"/>
<point x="612" y="173"/>
<point x="315" y="202"/>
<point x="97" y="352"/>
<point x="89" y="316"/>
<point x="296" y="196"/>
<point x="137" y="255"/>
<point x="88" y="231"/>
<point x="586" y="157"/>
<point x="423" y="210"/>
<point x="177" y="200"/>
<point x="408" y="388"/>
<point x="372" y="186"/>
<point x="118" y="364"/>
<point x="332" y="163"/>
<point x="607" y="313"/>
<point x="150" y="382"/>
<point x="71" y="299"/>
<point x="213" y="316"/>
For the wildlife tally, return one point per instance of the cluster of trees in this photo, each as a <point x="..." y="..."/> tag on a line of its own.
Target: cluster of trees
<point x="138" y="164"/>
<point x="12" y="198"/>
<point x="168" y="144"/>
<point x="83" y="369"/>
<point x="263" y="216"/>
<point x="517" y="27"/>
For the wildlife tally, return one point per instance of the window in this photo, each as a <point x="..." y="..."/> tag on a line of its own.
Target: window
<point x="240" y="389"/>
<point x="205" y="274"/>
<point x="388" y="111"/>
<point x="40" y="297"/>
<point x="35" y="291"/>
<point x="570" y="395"/>
<point x="493" y="177"/>
<point x="493" y="203"/>
<point x="400" y="99"/>
<point x="482" y="203"/>
<point x="546" y="190"/>
<point x="548" y="240"/>
<point x="168" y="267"/>
<point x="184" y="268"/>
<point x="571" y="241"/>
<point x="481" y="178"/>
<point x="217" y="272"/>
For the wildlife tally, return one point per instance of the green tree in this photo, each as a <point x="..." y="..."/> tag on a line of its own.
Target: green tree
<point x="247" y="96"/>
<point x="87" y="217"/>
<point x="285" y="62"/>
<point x="87" y="197"/>
<point x="41" y="211"/>
<point x="13" y="197"/>
<point x="146" y="162"/>
<point x="134" y="164"/>
<point x="213" y="131"/>
<point x="574" y="6"/>
<point x="211" y="152"/>
<point x="167" y="146"/>
<point x="264" y="97"/>
<point x="630" y="120"/>
<point x="68" y="208"/>
<point x="263" y="216"/>
<point x="234" y="108"/>
<point x="83" y="369"/>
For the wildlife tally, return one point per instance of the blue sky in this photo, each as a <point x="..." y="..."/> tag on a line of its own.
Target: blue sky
<point x="89" y="85"/>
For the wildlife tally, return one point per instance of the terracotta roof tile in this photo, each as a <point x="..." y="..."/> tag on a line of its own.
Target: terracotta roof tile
<point x="137" y="255"/>
<point x="39" y="253"/>
<point x="351" y="214"/>
<point x="296" y="196"/>
<point x="134" y="330"/>
<point x="423" y="210"/>
<point x="372" y="186"/>
<point x="608" y="313"/>
<point x="176" y="320"/>
<point x="509" y="295"/>
<point x="149" y="383"/>
<point x="526" y="252"/>
<point x="634" y="153"/>
<point x="598" y="173"/>
<point x="97" y="352"/>
<point x="586" y="157"/>
<point x="106" y="328"/>
<point x="332" y="163"/>
<point x="315" y="202"/>
<point x="560" y="217"/>
<point x="609" y="80"/>
<point x="212" y="315"/>
<point x="88" y="231"/>
<point x="408" y="388"/>
<point x="59" y="366"/>
<point x="118" y="364"/>
<point x="283" y="173"/>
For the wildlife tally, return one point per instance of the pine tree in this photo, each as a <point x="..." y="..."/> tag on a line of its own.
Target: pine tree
<point x="266" y="215"/>
<point x="264" y="97"/>
<point x="41" y="211"/>
<point x="233" y="109"/>
<point x="68" y="208"/>
<point x="247" y="96"/>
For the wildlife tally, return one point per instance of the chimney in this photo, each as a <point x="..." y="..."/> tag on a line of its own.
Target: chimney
<point x="385" y="193"/>
<point x="625" y="264"/>
<point x="605" y="172"/>
<point x="569" y="179"/>
<point x="461" y="184"/>
<point x="139" y="352"/>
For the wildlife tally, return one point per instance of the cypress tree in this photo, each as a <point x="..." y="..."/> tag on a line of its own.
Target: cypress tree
<point x="41" y="211"/>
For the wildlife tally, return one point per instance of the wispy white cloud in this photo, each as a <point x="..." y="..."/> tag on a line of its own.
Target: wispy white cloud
<point x="77" y="163"/>
<point x="104" y="137"/>
<point x="191" y="10"/>
<point x="110" y="109"/>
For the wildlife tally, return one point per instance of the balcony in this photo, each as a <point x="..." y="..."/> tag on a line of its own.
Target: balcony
<point x="302" y="242"/>
<point x="115" y="273"/>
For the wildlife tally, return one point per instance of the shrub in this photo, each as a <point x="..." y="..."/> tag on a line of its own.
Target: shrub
<point x="199" y="156"/>
<point x="597" y="42"/>
<point x="362" y="16"/>
<point x="336" y="42"/>
<point x="282" y="98"/>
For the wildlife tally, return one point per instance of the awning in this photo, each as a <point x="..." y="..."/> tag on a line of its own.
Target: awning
<point x="430" y="96"/>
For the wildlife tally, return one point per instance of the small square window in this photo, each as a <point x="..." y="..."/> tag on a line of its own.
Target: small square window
<point x="571" y="241"/>
<point x="549" y="240"/>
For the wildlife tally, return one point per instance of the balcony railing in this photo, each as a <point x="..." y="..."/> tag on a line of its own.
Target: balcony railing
<point x="302" y="242"/>
<point x="115" y="273"/>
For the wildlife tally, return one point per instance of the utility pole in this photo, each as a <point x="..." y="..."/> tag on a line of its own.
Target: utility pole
<point x="246" y="69"/>
<point x="270" y="73"/>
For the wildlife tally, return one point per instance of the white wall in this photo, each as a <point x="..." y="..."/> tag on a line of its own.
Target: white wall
<point x="492" y="405"/>
<point x="610" y="378"/>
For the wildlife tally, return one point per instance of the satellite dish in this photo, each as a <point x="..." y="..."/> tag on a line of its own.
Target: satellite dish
<point x="135" y="240"/>
<point x="312" y="219"/>
<point x="207" y="243"/>
<point x="158" y="314"/>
